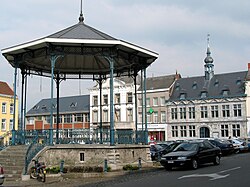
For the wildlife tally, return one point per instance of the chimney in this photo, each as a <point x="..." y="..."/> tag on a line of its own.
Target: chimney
<point x="248" y="66"/>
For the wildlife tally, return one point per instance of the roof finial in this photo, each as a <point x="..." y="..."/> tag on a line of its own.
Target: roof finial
<point x="208" y="47"/>
<point x="81" y="18"/>
<point x="208" y="59"/>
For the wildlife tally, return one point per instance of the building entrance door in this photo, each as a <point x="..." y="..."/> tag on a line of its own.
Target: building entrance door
<point x="204" y="132"/>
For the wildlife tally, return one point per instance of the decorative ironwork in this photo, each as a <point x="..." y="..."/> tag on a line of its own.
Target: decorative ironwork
<point x="79" y="136"/>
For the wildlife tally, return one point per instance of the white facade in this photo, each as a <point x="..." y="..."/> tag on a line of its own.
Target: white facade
<point x="124" y="105"/>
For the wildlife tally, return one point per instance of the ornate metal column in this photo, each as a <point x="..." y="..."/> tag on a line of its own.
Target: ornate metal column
<point x="100" y="100"/>
<point x="24" y="75"/>
<point x="13" y="141"/>
<point x="145" y="106"/>
<point x="136" y="121"/>
<point x="111" y="96"/>
<point x="53" y="59"/>
<point x="142" y="106"/>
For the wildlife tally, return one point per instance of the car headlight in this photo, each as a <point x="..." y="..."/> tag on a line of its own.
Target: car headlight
<point x="182" y="158"/>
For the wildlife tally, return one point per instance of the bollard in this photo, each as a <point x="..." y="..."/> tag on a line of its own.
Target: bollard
<point x="105" y="165"/>
<point x="139" y="163"/>
<point x="61" y="166"/>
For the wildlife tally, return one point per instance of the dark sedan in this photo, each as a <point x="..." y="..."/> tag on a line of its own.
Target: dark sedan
<point x="225" y="146"/>
<point x="192" y="154"/>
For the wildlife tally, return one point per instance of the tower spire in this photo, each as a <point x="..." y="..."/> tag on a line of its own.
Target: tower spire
<point x="209" y="66"/>
<point x="81" y="18"/>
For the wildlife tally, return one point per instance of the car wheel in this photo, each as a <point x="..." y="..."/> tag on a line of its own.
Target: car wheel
<point x="194" y="164"/>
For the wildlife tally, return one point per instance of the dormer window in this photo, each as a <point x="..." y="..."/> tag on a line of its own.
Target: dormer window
<point x="73" y="105"/>
<point x="44" y="107"/>
<point x="238" y="81"/>
<point x="203" y="94"/>
<point x="177" y="87"/>
<point x="35" y="107"/>
<point x="225" y="91"/>
<point x="194" y="85"/>
<point x="183" y="96"/>
<point x="54" y="105"/>
<point x="216" y="83"/>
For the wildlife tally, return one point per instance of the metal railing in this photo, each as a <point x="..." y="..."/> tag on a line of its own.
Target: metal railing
<point x="80" y="136"/>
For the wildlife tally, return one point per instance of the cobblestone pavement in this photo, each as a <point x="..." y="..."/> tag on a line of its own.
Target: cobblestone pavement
<point x="75" y="181"/>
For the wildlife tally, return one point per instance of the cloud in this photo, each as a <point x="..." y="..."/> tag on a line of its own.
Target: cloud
<point x="175" y="29"/>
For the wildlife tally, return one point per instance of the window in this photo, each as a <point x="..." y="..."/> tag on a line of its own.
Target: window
<point x="183" y="131"/>
<point x="174" y="131"/>
<point x="203" y="94"/>
<point x="183" y="96"/>
<point x="139" y="102"/>
<point x="60" y="119"/>
<point x="225" y="111"/>
<point x="155" y="117"/>
<point x="149" y="118"/>
<point x="11" y="108"/>
<point x="236" y="130"/>
<point x="182" y="113"/>
<point x="86" y="117"/>
<point x="47" y="119"/>
<point x="95" y="100"/>
<point x="95" y="116"/>
<point x="3" y="108"/>
<point x="67" y="118"/>
<point x="130" y="114"/>
<point x="237" y="110"/>
<point x="78" y="117"/>
<point x="225" y="93"/>
<point x="191" y="131"/>
<point x="11" y="124"/>
<point x="105" y="99"/>
<point x="72" y="105"/>
<point x="203" y="111"/>
<point x="214" y="111"/>
<point x="117" y="115"/>
<point x="140" y="117"/>
<point x="224" y="130"/>
<point x="174" y="113"/>
<point x="117" y="98"/>
<point x="162" y="100"/>
<point x="148" y="102"/>
<point x="30" y="120"/>
<point x="3" y="126"/>
<point x="130" y="97"/>
<point x="105" y="116"/>
<point x="81" y="157"/>
<point x="155" y="101"/>
<point x="191" y="112"/>
<point x="163" y="116"/>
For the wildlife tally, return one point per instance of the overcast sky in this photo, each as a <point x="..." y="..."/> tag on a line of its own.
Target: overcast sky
<point x="176" y="29"/>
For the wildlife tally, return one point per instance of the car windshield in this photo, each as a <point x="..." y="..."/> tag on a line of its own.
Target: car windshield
<point x="155" y="147"/>
<point x="186" y="147"/>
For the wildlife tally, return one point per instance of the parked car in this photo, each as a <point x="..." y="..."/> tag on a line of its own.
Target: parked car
<point x="239" y="145"/>
<point x="155" y="151"/>
<point x="1" y="175"/>
<point x="225" y="146"/>
<point x="192" y="154"/>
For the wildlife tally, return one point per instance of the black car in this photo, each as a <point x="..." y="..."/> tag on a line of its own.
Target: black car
<point x="158" y="150"/>
<point x="225" y="146"/>
<point x="192" y="154"/>
<point x="155" y="151"/>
